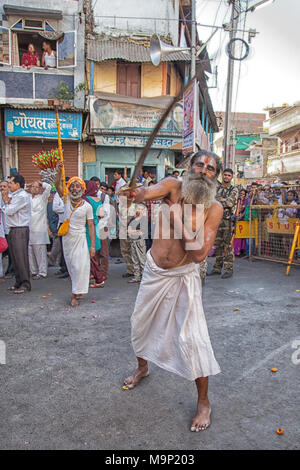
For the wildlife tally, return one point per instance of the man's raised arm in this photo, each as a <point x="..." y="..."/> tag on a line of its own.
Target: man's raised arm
<point x="154" y="192"/>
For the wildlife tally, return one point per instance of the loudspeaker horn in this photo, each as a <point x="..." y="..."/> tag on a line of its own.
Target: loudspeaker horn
<point x="159" y="49"/>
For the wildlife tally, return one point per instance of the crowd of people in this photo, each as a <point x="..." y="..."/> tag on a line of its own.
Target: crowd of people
<point x="31" y="221"/>
<point x="32" y="216"/>
<point x="266" y="195"/>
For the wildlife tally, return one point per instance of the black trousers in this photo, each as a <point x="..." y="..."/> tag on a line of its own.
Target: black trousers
<point x="62" y="263"/>
<point x="9" y="269"/>
<point x="18" y="239"/>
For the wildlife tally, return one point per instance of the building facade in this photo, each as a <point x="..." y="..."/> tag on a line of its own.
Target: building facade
<point x="248" y="128"/>
<point x="28" y="122"/>
<point x="284" y="123"/>
<point x="127" y="93"/>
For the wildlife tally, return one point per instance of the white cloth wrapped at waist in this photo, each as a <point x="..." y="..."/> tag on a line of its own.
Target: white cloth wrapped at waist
<point x="168" y="322"/>
<point x="75" y="246"/>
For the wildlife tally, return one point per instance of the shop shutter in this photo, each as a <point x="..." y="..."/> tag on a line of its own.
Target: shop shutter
<point x="27" y="148"/>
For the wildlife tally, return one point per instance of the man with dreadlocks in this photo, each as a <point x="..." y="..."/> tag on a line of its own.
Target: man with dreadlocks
<point x="168" y="322"/>
<point x="77" y="213"/>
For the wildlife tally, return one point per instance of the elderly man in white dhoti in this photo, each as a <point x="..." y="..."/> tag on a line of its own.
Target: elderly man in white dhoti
<point x="168" y="322"/>
<point x="38" y="229"/>
<point x="78" y="213"/>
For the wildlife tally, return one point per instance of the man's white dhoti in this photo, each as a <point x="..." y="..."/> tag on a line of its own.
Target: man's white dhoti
<point x="168" y="322"/>
<point x="75" y="247"/>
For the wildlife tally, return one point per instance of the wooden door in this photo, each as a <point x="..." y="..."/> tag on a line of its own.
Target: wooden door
<point x="129" y="80"/>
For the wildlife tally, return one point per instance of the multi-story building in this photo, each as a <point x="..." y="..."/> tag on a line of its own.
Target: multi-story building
<point x="284" y="122"/>
<point x="27" y="114"/>
<point x="255" y="166"/>
<point x="127" y="93"/>
<point x="247" y="130"/>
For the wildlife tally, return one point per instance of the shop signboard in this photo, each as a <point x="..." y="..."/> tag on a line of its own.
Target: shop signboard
<point x="42" y="124"/>
<point x="135" y="141"/>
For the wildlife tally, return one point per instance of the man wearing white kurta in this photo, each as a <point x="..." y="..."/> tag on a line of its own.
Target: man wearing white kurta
<point x="75" y="247"/>
<point x="3" y="227"/>
<point x="38" y="230"/>
<point x="17" y="210"/>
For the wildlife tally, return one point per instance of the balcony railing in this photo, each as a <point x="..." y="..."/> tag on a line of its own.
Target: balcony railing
<point x="288" y="162"/>
<point x="19" y="84"/>
<point x="290" y="148"/>
<point x="287" y="119"/>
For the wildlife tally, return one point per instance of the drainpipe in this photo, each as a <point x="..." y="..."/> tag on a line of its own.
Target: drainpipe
<point x="92" y="77"/>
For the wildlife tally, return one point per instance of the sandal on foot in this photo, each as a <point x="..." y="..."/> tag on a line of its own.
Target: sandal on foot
<point x="101" y="284"/>
<point x="21" y="290"/>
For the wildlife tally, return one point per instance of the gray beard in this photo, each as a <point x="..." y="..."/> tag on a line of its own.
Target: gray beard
<point x="198" y="189"/>
<point x="74" y="196"/>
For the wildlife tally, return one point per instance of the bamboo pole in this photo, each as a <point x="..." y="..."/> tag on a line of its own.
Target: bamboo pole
<point x="63" y="174"/>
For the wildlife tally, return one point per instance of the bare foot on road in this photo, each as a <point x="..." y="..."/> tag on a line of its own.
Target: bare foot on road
<point x="202" y="419"/>
<point x="138" y="374"/>
<point x="74" y="302"/>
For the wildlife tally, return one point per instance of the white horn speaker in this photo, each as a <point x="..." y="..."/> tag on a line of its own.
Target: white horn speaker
<point x="159" y="49"/>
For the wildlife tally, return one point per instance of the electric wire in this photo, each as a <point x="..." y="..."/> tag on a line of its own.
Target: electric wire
<point x="239" y="72"/>
<point x="221" y="93"/>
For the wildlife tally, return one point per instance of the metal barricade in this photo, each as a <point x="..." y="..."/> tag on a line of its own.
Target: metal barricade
<point x="271" y="232"/>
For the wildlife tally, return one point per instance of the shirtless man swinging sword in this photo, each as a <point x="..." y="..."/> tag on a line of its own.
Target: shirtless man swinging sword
<point x="168" y="323"/>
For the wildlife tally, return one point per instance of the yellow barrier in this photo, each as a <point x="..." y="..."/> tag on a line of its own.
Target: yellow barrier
<point x="273" y="235"/>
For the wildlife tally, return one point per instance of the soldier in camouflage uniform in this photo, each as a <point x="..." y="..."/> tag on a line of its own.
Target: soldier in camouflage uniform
<point x="203" y="270"/>
<point x="227" y="195"/>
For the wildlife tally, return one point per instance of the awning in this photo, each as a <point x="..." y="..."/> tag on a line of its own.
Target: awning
<point x="32" y="12"/>
<point x="243" y="141"/>
<point x="110" y="49"/>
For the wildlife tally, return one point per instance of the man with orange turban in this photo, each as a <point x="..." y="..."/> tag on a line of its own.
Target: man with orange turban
<point x="77" y="255"/>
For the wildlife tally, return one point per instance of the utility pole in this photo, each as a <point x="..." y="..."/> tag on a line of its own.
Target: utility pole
<point x="230" y="75"/>
<point x="193" y="37"/>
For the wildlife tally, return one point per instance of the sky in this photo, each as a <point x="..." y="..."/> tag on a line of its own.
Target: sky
<point x="270" y="76"/>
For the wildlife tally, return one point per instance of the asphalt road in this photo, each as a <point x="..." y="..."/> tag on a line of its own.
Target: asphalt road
<point x="61" y="386"/>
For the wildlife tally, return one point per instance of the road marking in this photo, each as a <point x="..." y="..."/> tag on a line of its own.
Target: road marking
<point x="265" y="361"/>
